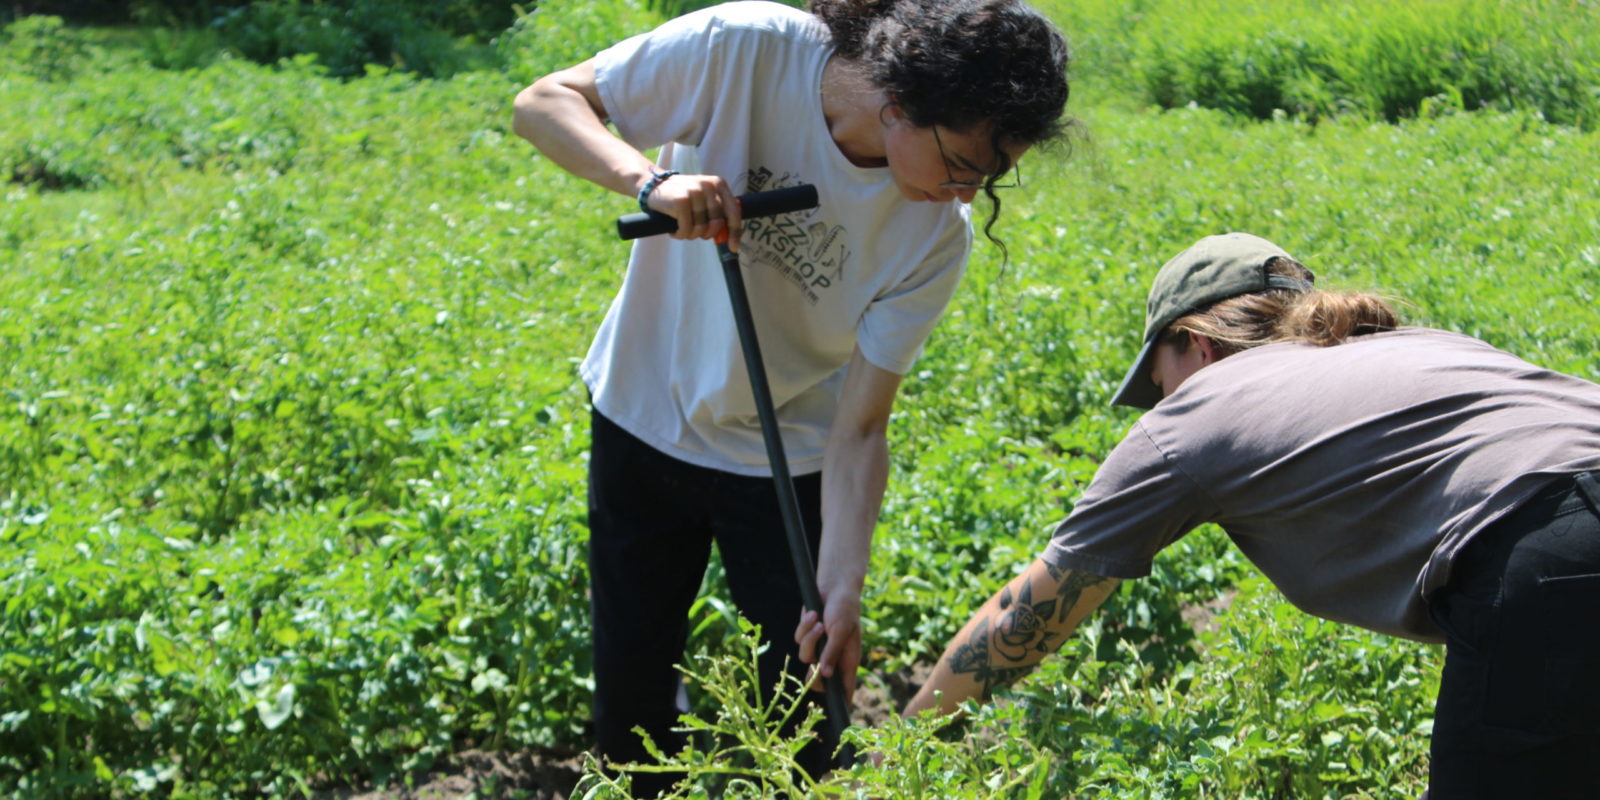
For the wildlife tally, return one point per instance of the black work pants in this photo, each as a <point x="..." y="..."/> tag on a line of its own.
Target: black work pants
<point x="1518" y="713"/>
<point x="652" y="521"/>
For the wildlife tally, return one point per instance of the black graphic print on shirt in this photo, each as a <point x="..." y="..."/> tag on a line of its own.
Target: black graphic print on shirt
<point x="810" y="254"/>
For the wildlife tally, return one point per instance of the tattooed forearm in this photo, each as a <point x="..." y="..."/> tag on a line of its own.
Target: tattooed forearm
<point x="1072" y="588"/>
<point x="972" y="657"/>
<point x="1002" y="648"/>
<point x="1021" y="628"/>
<point x="1014" y="629"/>
<point x="1005" y="645"/>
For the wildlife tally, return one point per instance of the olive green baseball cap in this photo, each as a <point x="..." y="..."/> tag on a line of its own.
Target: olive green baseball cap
<point x="1212" y="270"/>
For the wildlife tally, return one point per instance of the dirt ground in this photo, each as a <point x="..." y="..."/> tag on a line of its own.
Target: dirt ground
<point x="1203" y="618"/>
<point x="530" y="774"/>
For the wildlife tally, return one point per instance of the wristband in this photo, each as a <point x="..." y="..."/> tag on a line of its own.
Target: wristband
<point x="656" y="178"/>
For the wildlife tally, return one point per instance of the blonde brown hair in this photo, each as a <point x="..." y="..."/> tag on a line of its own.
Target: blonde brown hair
<point x="1284" y="315"/>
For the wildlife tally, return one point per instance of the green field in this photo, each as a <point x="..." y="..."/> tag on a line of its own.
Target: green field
<point x="292" y="449"/>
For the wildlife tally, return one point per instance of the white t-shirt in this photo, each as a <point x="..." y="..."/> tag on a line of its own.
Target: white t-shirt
<point x="736" y="90"/>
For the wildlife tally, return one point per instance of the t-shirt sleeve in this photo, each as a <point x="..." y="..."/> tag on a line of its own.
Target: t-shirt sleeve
<point x="898" y="322"/>
<point x="658" y="86"/>
<point x="1138" y="503"/>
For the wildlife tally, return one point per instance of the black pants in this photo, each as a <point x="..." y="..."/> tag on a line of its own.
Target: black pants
<point x="652" y="520"/>
<point x="1518" y="713"/>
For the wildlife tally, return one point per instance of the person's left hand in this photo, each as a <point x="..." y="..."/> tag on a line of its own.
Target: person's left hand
<point x="841" y="624"/>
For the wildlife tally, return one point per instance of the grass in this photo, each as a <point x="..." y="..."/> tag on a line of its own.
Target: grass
<point x="1315" y="59"/>
<point x="291" y="447"/>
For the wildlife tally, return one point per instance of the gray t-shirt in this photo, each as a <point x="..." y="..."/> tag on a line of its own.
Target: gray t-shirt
<point x="1351" y="475"/>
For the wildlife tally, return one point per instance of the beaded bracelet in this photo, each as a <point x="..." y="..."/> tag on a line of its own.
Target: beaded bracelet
<point x="655" y="180"/>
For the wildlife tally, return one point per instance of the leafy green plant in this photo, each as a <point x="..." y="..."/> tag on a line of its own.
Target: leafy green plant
<point x="739" y="749"/>
<point x="292" y="446"/>
<point x="42" y="46"/>
<point x="1310" y="59"/>
<point x="178" y="48"/>
<point x="345" y="37"/>
<point x="1279" y="705"/>
<point x="555" y="34"/>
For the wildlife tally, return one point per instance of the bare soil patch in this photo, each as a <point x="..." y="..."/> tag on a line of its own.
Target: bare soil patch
<point x="527" y="775"/>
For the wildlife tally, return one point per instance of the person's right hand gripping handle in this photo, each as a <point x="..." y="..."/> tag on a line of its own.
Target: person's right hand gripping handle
<point x="563" y="116"/>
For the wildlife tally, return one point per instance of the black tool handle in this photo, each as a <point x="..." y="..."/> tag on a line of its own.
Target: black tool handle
<point x="766" y="204"/>
<point x="758" y="204"/>
<point x="788" y="501"/>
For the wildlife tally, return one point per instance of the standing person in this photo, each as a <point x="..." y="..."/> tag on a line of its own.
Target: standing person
<point x="1415" y="482"/>
<point x="899" y="112"/>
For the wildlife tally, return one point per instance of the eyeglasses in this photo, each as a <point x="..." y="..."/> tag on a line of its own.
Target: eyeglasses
<point x="1016" y="170"/>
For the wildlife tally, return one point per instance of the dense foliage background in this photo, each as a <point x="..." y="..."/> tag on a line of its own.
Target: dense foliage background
<point x="292" y="449"/>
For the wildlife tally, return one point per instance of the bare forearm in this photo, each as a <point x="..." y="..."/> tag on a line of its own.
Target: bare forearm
<point x="855" y="470"/>
<point x="1022" y="623"/>
<point x="560" y="115"/>
<point x="854" y="474"/>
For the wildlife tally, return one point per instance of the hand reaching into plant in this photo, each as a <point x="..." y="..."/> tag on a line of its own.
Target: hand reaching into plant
<point x="1026" y="620"/>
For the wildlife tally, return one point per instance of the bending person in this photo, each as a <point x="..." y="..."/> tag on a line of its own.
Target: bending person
<point x="1418" y="483"/>
<point x="900" y="112"/>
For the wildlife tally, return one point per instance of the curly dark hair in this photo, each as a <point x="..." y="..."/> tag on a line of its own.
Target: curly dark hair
<point x="959" y="64"/>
